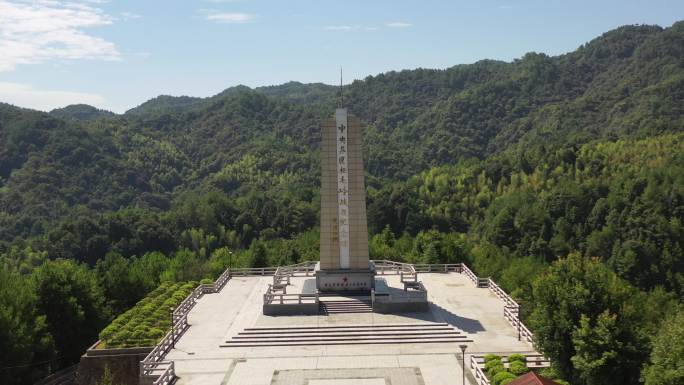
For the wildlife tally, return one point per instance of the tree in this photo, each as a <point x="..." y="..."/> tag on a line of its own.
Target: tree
<point x="258" y="254"/>
<point x="24" y="336"/>
<point x="666" y="365"/>
<point x="604" y="352"/>
<point x="185" y="265"/>
<point x="73" y="304"/>
<point x="119" y="288"/>
<point x="575" y="289"/>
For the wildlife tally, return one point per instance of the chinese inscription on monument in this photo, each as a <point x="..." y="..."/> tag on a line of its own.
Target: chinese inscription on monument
<point x="342" y="187"/>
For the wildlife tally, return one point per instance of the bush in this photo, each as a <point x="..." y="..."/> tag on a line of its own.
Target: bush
<point x="506" y="381"/>
<point x="517" y="357"/>
<point x="501" y="376"/>
<point x="493" y="362"/>
<point x="490" y="357"/>
<point x="518" y="368"/>
<point x="495" y="367"/>
<point x="207" y="281"/>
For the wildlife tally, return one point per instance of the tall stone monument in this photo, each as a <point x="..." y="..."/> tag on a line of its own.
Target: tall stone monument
<point x="344" y="264"/>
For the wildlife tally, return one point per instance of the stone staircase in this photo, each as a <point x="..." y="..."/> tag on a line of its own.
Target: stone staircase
<point x="421" y="333"/>
<point x="341" y="305"/>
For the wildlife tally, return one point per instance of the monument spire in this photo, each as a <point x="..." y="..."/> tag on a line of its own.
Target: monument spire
<point x="341" y="92"/>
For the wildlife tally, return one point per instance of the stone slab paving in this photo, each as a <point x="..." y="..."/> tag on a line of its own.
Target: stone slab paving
<point x="217" y="317"/>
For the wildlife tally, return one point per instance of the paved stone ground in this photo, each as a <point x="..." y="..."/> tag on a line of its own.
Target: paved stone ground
<point x="217" y="317"/>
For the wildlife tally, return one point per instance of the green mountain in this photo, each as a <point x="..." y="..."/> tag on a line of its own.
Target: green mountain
<point x="82" y="112"/>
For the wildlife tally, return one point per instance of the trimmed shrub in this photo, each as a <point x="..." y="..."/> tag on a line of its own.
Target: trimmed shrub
<point x="506" y="381"/>
<point x="517" y="357"/>
<point x="518" y="368"/>
<point x="501" y="376"/>
<point x="493" y="362"/>
<point x="147" y="322"/>
<point x="489" y="357"/>
<point x="495" y="367"/>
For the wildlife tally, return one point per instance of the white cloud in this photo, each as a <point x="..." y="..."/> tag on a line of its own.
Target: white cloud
<point x="398" y="24"/>
<point x="341" y="27"/>
<point x="24" y="95"/>
<point x="229" y="17"/>
<point x="129" y="16"/>
<point x="37" y="31"/>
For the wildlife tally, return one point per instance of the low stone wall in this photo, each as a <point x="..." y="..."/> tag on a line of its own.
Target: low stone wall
<point x="124" y="365"/>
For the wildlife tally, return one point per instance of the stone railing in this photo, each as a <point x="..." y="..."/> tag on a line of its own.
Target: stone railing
<point x="384" y="267"/>
<point x="499" y="292"/>
<point x="511" y="311"/>
<point x="532" y="361"/>
<point x="271" y="298"/>
<point x="189" y="302"/>
<point x="469" y="273"/>
<point x="476" y="368"/>
<point x="163" y="372"/>
<point x="417" y="293"/>
<point x="251" y="271"/>
<point x="283" y="273"/>
<point x="438" y="268"/>
<point x="154" y="367"/>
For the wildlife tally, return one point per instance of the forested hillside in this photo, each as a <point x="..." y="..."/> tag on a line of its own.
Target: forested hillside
<point x="545" y="173"/>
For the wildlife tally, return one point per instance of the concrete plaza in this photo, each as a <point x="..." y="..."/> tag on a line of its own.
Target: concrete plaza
<point x="477" y="312"/>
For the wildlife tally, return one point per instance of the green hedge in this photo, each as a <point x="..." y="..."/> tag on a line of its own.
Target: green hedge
<point x="518" y="368"/>
<point x="149" y="320"/>
<point x="498" y="374"/>
<point x="501" y="376"/>
<point x="517" y="357"/>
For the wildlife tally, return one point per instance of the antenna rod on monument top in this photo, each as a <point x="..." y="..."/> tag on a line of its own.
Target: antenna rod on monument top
<point x="341" y="93"/>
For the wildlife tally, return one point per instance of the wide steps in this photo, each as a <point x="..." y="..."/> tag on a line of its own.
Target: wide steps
<point x="348" y="335"/>
<point x="334" y="305"/>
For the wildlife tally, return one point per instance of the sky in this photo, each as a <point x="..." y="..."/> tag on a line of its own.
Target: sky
<point x="117" y="54"/>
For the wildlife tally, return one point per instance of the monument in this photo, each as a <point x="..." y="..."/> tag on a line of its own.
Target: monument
<point x="344" y="263"/>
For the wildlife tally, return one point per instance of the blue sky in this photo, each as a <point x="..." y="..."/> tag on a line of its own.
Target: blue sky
<point x="117" y="54"/>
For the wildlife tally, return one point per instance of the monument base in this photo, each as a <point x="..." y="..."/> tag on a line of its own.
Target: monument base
<point x="345" y="280"/>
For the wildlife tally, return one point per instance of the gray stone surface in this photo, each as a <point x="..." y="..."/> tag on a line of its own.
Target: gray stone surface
<point x="364" y="376"/>
<point x="218" y="317"/>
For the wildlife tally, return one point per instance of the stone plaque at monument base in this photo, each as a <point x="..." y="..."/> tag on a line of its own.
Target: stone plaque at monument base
<point x="344" y="264"/>
<point x="345" y="280"/>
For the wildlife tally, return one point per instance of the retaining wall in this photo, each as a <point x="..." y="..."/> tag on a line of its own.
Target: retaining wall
<point x="123" y="363"/>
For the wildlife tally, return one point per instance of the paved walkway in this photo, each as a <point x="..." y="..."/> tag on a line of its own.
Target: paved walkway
<point x="217" y="317"/>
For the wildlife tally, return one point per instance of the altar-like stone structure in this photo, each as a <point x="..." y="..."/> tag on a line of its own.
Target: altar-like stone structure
<point x="344" y="265"/>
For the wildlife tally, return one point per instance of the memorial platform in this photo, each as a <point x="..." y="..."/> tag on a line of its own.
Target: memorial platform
<point x="331" y="348"/>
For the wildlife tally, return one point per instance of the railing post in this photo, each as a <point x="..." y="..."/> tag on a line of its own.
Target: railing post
<point x="173" y="336"/>
<point x="518" y="318"/>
